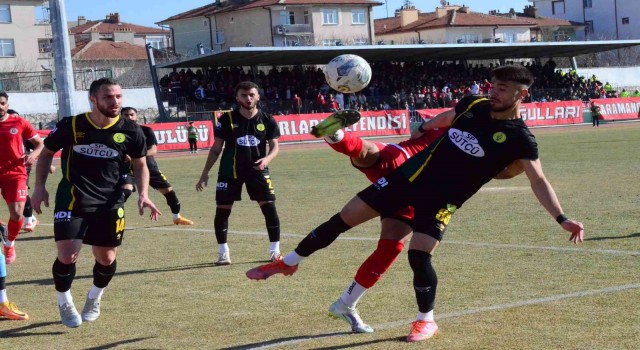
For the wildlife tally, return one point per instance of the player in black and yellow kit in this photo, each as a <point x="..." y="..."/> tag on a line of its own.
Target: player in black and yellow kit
<point x="157" y="180"/>
<point x="245" y="133"/>
<point x="89" y="200"/>
<point x="485" y="136"/>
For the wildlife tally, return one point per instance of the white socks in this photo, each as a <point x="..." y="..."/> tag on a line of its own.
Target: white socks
<point x="335" y="138"/>
<point x="65" y="298"/>
<point x="425" y="316"/>
<point x="274" y="247"/>
<point x="223" y="248"/>
<point x="3" y="295"/>
<point x="95" y="292"/>
<point x="293" y="259"/>
<point x="352" y="294"/>
<point x="176" y="216"/>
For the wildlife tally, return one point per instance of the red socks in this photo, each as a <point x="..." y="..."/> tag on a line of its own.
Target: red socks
<point x="378" y="262"/>
<point x="349" y="145"/>
<point x="14" y="228"/>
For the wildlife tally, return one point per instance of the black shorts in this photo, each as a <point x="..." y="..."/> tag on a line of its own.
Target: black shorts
<point x="259" y="187"/>
<point x="432" y="212"/>
<point x="103" y="228"/>
<point x="157" y="180"/>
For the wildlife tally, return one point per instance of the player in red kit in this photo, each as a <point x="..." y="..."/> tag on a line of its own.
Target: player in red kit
<point x="13" y="172"/>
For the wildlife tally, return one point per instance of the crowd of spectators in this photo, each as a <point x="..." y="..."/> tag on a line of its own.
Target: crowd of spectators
<point x="409" y="85"/>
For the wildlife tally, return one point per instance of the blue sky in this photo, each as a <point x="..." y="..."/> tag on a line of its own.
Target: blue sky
<point x="147" y="12"/>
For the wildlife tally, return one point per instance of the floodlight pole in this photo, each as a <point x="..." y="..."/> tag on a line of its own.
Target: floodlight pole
<point x="154" y="80"/>
<point x="64" y="79"/>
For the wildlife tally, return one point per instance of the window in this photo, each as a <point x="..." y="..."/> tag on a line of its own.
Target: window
<point x="330" y="42"/>
<point x="588" y="28"/>
<point x="358" y="17"/>
<point x="44" y="45"/>
<point x="587" y="4"/>
<point x="156" y="43"/>
<point x="7" y="48"/>
<point x="292" y="17"/>
<point x="219" y="38"/>
<point x="625" y="20"/>
<point x="5" y="14"/>
<point x="467" y="38"/>
<point x="307" y="17"/>
<point x="557" y="7"/>
<point x="360" y="41"/>
<point x="284" y="18"/>
<point x="329" y="16"/>
<point x="561" y="35"/>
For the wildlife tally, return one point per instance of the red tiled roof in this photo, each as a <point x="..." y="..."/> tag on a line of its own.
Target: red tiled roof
<point x="548" y="21"/>
<point x="429" y="20"/>
<point x="212" y="9"/>
<point x="109" y="28"/>
<point x="108" y="50"/>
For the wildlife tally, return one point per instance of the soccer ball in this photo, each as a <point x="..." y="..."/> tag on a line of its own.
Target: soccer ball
<point x="348" y="73"/>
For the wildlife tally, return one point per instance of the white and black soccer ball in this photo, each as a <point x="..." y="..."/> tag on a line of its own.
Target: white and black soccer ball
<point x="348" y="73"/>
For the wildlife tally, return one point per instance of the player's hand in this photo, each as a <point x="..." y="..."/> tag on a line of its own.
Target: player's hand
<point x="577" y="230"/>
<point x="52" y="169"/>
<point x="127" y="158"/>
<point x="144" y="202"/>
<point x="202" y="183"/>
<point x="30" y="160"/>
<point x="261" y="164"/>
<point x="39" y="195"/>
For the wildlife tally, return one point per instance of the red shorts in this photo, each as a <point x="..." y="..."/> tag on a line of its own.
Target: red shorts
<point x="14" y="189"/>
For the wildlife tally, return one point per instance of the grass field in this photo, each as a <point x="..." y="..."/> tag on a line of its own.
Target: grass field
<point x="509" y="279"/>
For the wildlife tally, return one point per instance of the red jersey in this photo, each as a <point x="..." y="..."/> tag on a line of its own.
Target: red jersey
<point x="13" y="131"/>
<point x="392" y="155"/>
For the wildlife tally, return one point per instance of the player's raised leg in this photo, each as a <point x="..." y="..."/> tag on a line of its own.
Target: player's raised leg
<point x="336" y="121"/>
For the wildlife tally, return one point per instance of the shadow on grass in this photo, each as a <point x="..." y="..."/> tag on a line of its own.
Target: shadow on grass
<point x="49" y="281"/>
<point x="284" y="341"/>
<point x="364" y="343"/>
<point x="117" y="344"/>
<point x="633" y="235"/>
<point x="22" y="238"/>
<point x="27" y="329"/>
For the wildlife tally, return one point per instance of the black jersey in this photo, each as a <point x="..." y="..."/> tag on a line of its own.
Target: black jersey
<point x="473" y="151"/>
<point x="150" y="139"/>
<point x="245" y="141"/>
<point x="92" y="159"/>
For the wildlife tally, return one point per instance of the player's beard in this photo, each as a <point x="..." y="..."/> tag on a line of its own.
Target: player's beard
<point x="248" y="105"/>
<point x="106" y="110"/>
<point x="501" y="107"/>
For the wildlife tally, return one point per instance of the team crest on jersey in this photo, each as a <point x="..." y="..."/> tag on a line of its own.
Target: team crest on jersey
<point x="96" y="150"/>
<point x="118" y="137"/>
<point x="499" y="137"/>
<point x="466" y="142"/>
<point x="13" y="131"/>
<point x="260" y="127"/>
<point x="247" y="141"/>
<point x="120" y="212"/>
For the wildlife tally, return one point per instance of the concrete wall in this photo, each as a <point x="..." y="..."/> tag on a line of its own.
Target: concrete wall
<point x="25" y="34"/>
<point x="618" y="77"/>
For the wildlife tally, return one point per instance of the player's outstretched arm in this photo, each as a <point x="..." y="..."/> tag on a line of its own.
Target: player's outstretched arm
<point x="214" y="153"/>
<point x="141" y="173"/>
<point x="442" y="120"/>
<point x="40" y="193"/>
<point x="547" y="197"/>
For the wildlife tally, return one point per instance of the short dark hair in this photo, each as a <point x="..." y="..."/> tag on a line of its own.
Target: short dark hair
<point x="97" y="84"/>
<point x="246" y="85"/>
<point x="4" y="94"/>
<point x="515" y="73"/>
<point x="127" y="109"/>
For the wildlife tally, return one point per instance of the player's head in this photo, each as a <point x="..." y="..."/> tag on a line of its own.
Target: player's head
<point x="4" y="104"/>
<point x="247" y="94"/>
<point x="129" y="113"/>
<point x="106" y="96"/>
<point x="510" y="85"/>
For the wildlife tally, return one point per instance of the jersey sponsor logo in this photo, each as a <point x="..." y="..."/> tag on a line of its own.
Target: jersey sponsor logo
<point x="499" y="137"/>
<point x="13" y="131"/>
<point x="381" y="183"/>
<point x="119" y="137"/>
<point x="96" y="150"/>
<point x="260" y="127"/>
<point x="247" y="141"/>
<point x="61" y="216"/>
<point x="466" y="142"/>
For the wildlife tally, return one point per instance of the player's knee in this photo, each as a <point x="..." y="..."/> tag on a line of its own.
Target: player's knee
<point x="127" y="193"/>
<point x="68" y="259"/>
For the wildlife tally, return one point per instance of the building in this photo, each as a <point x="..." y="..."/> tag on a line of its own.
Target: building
<point x="603" y="19"/>
<point x="546" y="28"/>
<point x="112" y="27"/>
<point x="233" y="23"/>
<point x="451" y="24"/>
<point x="25" y="44"/>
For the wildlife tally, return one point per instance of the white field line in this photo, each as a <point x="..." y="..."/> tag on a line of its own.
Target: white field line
<point x="498" y="307"/>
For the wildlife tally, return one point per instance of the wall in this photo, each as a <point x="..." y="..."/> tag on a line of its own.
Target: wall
<point x="617" y="76"/>
<point x="188" y="33"/>
<point x="25" y="34"/>
<point x="241" y="27"/>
